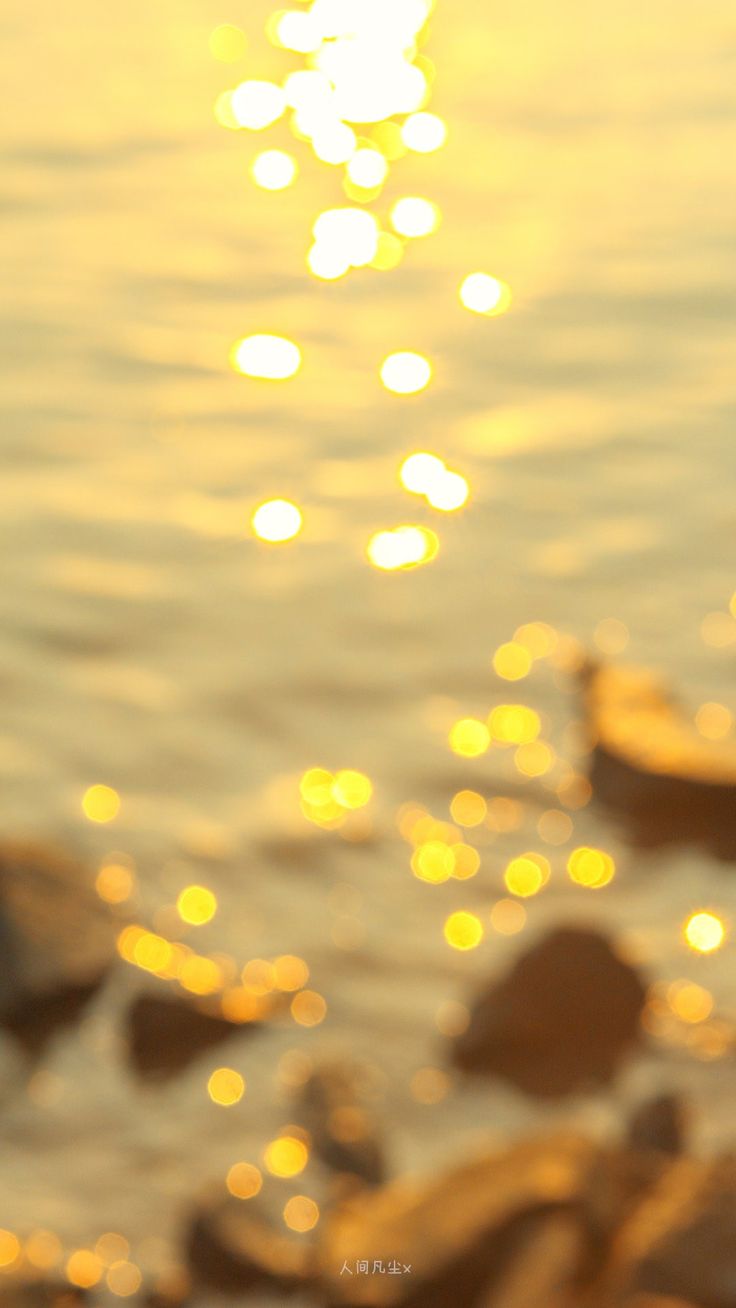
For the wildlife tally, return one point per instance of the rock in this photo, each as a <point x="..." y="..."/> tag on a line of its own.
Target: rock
<point x="562" y="1019"/>
<point x="343" y="1131"/>
<point x="651" y="767"/>
<point x="659" y="1125"/>
<point x="167" y="1033"/>
<point x="458" y="1233"/>
<point x="57" y="942"/>
<point x="234" y="1246"/>
<point x="681" y="1239"/>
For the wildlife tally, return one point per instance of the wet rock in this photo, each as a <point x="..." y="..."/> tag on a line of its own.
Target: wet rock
<point x="681" y="1240"/>
<point x="659" y="1125"/>
<point x="458" y="1234"/>
<point x="57" y="942"/>
<point x="649" y="765"/>
<point x="235" y="1246"/>
<point x="563" y="1018"/>
<point x="343" y="1130"/>
<point x="166" y="1033"/>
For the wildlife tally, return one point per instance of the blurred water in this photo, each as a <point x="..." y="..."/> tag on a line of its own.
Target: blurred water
<point x="149" y="643"/>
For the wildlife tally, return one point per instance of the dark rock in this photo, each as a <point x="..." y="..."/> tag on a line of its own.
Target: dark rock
<point x="343" y="1130"/>
<point x="681" y="1239"/>
<point x="652" y="768"/>
<point x="563" y="1017"/>
<point x="659" y="1125"/>
<point x="167" y="1033"/>
<point x="459" y="1233"/>
<point x="57" y="942"/>
<point x="234" y="1246"/>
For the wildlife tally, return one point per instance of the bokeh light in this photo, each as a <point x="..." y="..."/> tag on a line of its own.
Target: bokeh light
<point x="124" y="1278"/>
<point x="84" y="1269"/>
<point x="413" y="216"/>
<point x="405" y="373"/>
<point x="402" y="547"/>
<point x="286" y="1156"/>
<point x="227" y="43"/>
<point x="277" y="520"/>
<point x="589" y="867"/>
<point x="9" y="1248"/>
<point x="257" y="105"/>
<point x="244" y="1180"/>
<point x="420" y="472"/>
<point x="449" y="492"/>
<point x="308" y="1008"/>
<point x="273" y="358"/>
<point x="468" y="808"/>
<point x="512" y="661"/>
<point x="484" y="294"/>
<point x="514" y="724"/>
<point x="526" y="874"/>
<point x="274" y="170"/>
<point x="704" y="932"/>
<point x="463" y="930"/>
<point x="714" y="721"/>
<point x="301" y="1213"/>
<point x="114" y="882"/>
<point x="469" y="737"/>
<point x="100" y="803"/>
<point x="196" y="905"/>
<point x="508" y="917"/>
<point x="424" y="132"/>
<point x="225" y="1087"/>
<point x="367" y="168"/>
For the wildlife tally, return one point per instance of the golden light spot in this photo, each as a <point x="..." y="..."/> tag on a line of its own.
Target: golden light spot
<point x="42" y="1249"/>
<point x="508" y="917"/>
<point x="389" y="139"/>
<point x="512" y="661"/>
<point x="259" y="976"/>
<point x="468" y="808"/>
<point x="714" y="721"/>
<point x="244" y="1181"/>
<point x="273" y="170"/>
<point x="514" y="724"/>
<point x="420" y="472"/>
<point x="84" y="1268"/>
<point x="112" y="1248"/>
<point x="402" y="547"/>
<point x="718" y="629"/>
<point x="196" y="905"/>
<point x="9" y="1248"/>
<point x="484" y="294"/>
<point x="200" y="976"/>
<point x="240" y="1005"/>
<point x="100" y="803"/>
<point x="297" y="31"/>
<point x="538" y="638"/>
<point x="504" y="814"/>
<point x="433" y="861"/>
<point x="469" y="737"/>
<point x="429" y="1085"/>
<point x="467" y="861"/>
<point x="227" y="43"/>
<point x="352" y="789"/>
<point x="534" y="759"/>
<point x="389" y="252"/>
<point x="524" y="876"/>
<point x="367" y="169"/>
<point x="463" y="930"/>
<point x="334" y="143"/>
<point x="704" y="932"/>
<point x="308" y="1008"/>
<point x="327" y="262"/>
<point x="611" y="636"/>
<point x="555" y="827"/>
<point x="277" y="520"/>
<point x="114" y="883"/>
<point x="452" y="1018"/>
<point x="413" y="216"/>
<point x="593" y="868"/>
<point x="315" y="786"/>
<point x="349" y="234"/>
<point x="152" y="952"/>
<point x="574" y="791"/>
<point x="272" y="358"/>
<point x="290" y="972"/>
<point x="226" y="1086"/>
<point x="423" y="133"/>
<point x="286" y="1156"/>
<point x="301" y="1213"/>
<point x="691" y="1002"/>
<point x="405" y="373"/>
<point x="256" y="105"/>
<point x="448" y="493"/>
<point x="124" y="1278"/>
